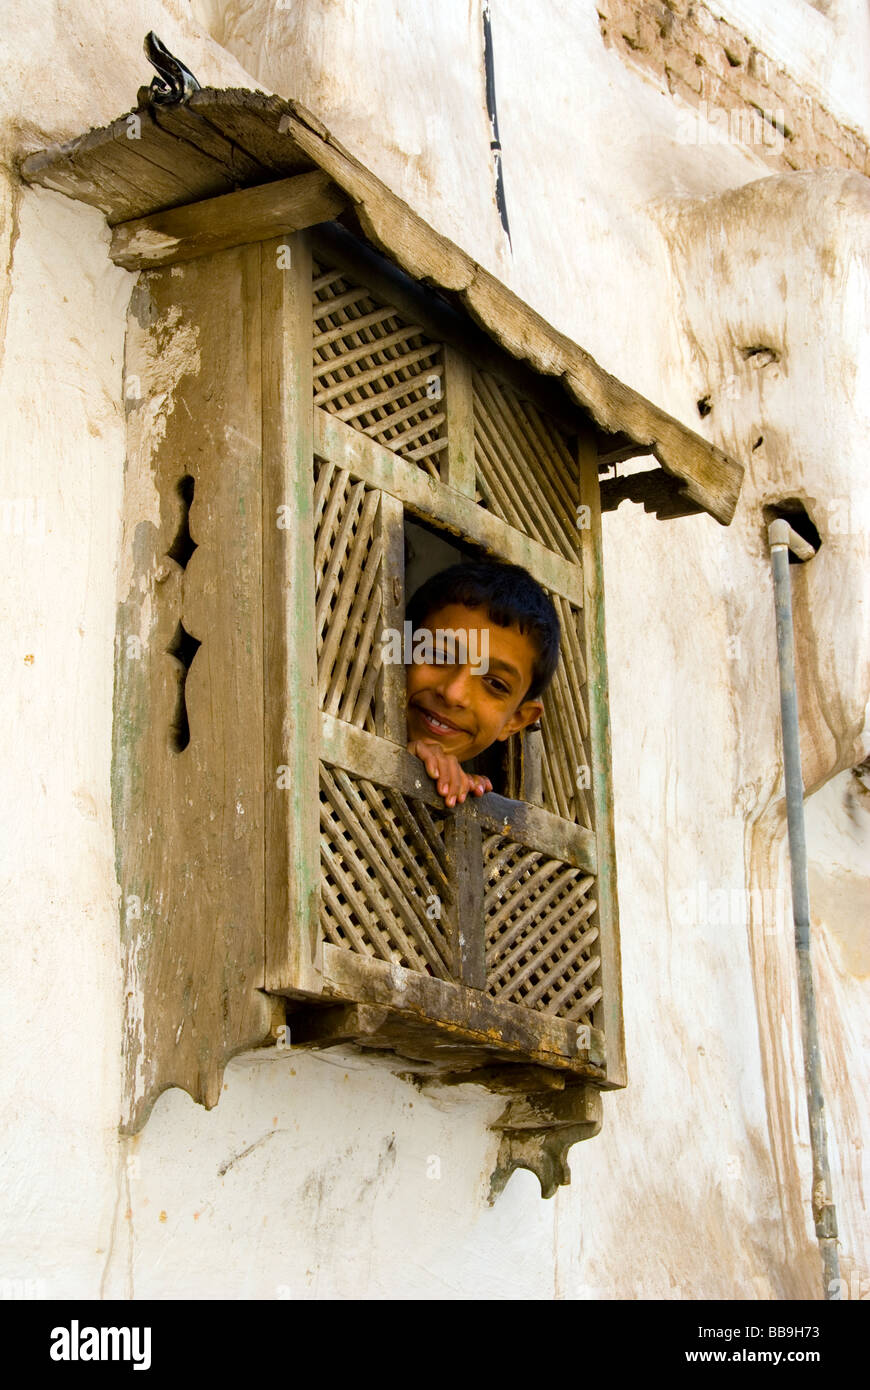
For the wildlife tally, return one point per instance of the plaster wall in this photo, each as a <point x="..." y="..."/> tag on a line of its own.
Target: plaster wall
<point x="330" y="1176"/>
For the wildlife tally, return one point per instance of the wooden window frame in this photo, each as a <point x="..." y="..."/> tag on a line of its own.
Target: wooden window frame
<point x="303" y="966"/>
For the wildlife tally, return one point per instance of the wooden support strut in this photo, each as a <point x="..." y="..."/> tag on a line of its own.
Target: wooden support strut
<point x="233" y="219"/>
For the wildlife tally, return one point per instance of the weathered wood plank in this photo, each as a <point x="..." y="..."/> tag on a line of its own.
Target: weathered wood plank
<point x="391" y="716"/>
<point x="255" y="122"/>
<point x="391" y="765"/>
<point x="532" y="768"/>
<point x="233" y="219"/>
<point x="384" y="217"/>
<point x="532" y="825"/>
<point x="464" y="842"/>
<point x="128" y="169"/>
<point x="290" y="647"/>
<point x="187" y="775"/>
<point x="450" y="511"/>
<point x="378" y="760"/>
<point x="709" y="476"/>
<point x="466" y="1016"/>
<point x="608" y="1013"/>
<point x="461" y="469"/>
<point x="179" y="120"/>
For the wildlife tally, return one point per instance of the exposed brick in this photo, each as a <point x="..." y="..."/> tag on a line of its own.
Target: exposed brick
<point x="754" y="90"/>
<point x="700" y="58"/>
<point x="714" y="91"/>
<point x="845" y="141"/>
<point x="733" y="41"/>
<point x="713" y="54"/>
<point x="654" y="66"/>
<point x="855" y="148"/>
<point x="824" y="125"/>
<point x="704" y="20"/>
<point x="648" y="33"/>
<point x="693" y="77"/>
<point x="799" y="115"/>
<point x="830" y="153"/>
<point x="760" y="67"/>
<point x="784" y="92"/>
<point x="680" y="88"/>
<point x="669" y="24"/>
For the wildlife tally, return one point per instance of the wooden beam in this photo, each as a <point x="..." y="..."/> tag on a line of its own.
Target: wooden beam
<point x="608" y="1012"/>
<point x="463" y="1015"/>
<point x="233" y="219"/>
<point x="292" y="849"/>
<point x="390" y="718"/>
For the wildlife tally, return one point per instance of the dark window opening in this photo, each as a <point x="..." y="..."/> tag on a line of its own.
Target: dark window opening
<point x="427" y="552"/>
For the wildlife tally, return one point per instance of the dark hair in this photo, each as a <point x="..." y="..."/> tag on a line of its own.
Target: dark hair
<point x="510" y="597"/>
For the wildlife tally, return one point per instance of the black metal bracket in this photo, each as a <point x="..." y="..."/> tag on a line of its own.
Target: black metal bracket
<point x="174" y="82"/>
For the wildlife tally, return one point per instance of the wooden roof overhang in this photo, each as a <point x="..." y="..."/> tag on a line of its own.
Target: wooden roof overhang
<point x="225" y="167"/>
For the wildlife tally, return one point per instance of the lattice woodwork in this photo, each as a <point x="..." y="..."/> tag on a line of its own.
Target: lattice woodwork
<point x="377" y="372"/>
<point x="347" y="563"/>
<point x="386" y="856"/>
<point x="384" y="888"/>
<point x="540" y="950"/>
<point x="526" y="471"/>
<point x="565" y="726"/>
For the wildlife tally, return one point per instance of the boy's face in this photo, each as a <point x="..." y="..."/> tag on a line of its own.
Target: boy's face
<point x="467" y="707"/>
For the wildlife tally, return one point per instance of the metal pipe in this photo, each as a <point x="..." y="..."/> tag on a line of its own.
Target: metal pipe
<point x="782" y="538"/>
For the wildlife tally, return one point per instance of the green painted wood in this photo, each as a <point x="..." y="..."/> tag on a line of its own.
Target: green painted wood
<point x="608" y="1013"/>
<point x="187" y="777"/>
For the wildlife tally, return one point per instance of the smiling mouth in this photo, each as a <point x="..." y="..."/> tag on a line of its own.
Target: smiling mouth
<point x="438" y="725"/>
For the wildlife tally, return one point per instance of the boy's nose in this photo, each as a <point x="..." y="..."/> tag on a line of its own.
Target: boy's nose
<point x="453" y="686"/>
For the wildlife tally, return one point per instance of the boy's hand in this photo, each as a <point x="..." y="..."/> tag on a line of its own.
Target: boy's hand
<point x="446" y="772"/>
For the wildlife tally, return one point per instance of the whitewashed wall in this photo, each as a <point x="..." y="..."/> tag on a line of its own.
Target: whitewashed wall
<point x="328" y="1176"/>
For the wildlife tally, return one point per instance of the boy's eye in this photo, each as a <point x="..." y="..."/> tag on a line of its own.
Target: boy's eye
<point x="498" y="685"/>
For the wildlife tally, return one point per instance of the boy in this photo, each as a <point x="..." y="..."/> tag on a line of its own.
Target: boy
<point x="456" y="707"/>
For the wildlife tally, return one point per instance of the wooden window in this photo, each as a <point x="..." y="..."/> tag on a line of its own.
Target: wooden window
<point x="458" y="937"/>
<point x="300" y="416"/>
<point x="297" y="411"/>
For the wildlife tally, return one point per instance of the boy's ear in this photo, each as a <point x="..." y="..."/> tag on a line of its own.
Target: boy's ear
<point x="529" y="712"/>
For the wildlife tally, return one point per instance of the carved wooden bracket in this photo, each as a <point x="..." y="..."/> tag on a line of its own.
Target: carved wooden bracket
<point x="537" y="1132"/>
